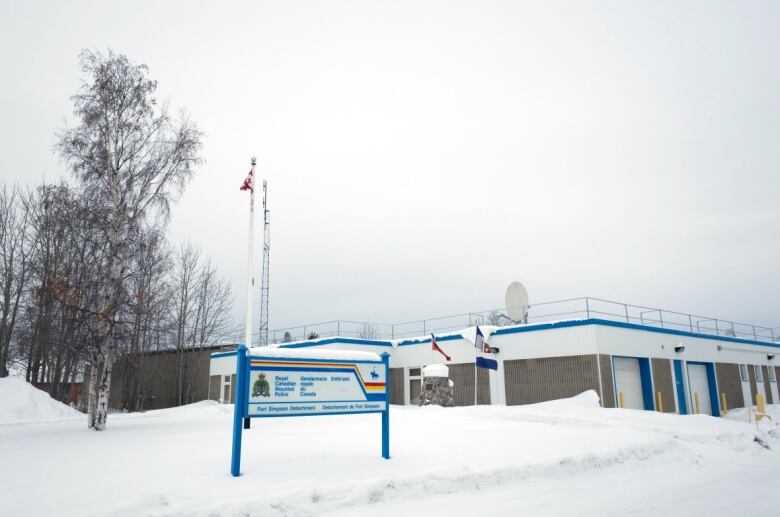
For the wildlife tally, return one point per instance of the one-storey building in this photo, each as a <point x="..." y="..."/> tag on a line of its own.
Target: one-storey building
<point x="630" y="365"/>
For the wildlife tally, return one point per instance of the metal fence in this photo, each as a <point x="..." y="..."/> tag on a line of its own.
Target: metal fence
<point x="573" y="308"/>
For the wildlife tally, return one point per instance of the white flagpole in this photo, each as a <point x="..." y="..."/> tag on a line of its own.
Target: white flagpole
<point x="250" y="261"/>
<point x="475" y="377"/>
<point x="475" y="365"/>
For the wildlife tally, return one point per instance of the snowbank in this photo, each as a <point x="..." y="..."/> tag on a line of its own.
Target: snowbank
<point x="585" y="400"/>
<point x="308" y="353"/>
<point x="21" y="402"/>
<point x="436" y="370"/>
<point x="494" y="461"/>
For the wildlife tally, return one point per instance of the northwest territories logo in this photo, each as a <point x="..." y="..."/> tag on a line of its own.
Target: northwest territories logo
<point x="261" y="387"/>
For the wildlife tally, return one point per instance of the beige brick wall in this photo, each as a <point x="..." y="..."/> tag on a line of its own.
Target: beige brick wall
<point x="606" y="381"/>
<point x="538" y="380"/>
<point x="767" y="387"/>
<point x="663" y="382"/>
<point x="463" y="377"/>
<point x="730" y="383"/>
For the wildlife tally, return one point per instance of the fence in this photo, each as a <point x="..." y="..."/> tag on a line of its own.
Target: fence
<point x="573" y="308"/>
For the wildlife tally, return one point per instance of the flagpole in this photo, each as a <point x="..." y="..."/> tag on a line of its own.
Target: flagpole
<point x="250" y="260"/>
<point x="475" y="377"/>
<point x="476" y="374"/>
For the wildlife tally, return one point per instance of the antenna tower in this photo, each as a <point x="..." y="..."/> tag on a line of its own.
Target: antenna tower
<point x="266" y="259"/>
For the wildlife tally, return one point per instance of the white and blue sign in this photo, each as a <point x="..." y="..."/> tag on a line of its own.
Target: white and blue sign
<point x="276" y="386"/>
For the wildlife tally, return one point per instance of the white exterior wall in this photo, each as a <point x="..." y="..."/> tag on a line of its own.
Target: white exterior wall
<point x="225" y="365"/>
<point x="555" y="342"/>
<point x="460" y="350"/>
<point x="643" y="343"/>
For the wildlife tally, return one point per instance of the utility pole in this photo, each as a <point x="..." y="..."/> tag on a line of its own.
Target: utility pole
<point x="266" y="260"/>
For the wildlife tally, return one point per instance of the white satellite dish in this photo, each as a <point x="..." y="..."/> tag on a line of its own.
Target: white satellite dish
<point x="516" y="302"/>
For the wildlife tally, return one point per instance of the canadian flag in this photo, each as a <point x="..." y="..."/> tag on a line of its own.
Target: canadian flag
<point x="249" y="183"/>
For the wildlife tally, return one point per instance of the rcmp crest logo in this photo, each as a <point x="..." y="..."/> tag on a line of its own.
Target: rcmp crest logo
<point x="261" y="387"/>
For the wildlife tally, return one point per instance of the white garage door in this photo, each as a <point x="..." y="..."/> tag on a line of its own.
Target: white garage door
<point x="697" y="378"/>
<point x="629" y="382"/>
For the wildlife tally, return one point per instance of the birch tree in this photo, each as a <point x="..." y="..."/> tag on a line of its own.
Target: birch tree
<point x="132" y="159"/>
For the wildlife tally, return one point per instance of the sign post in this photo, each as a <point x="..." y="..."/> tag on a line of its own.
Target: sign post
<point x="386" y="412"/>
<point x="281" y="383"/>
<point x="238" y="410"/>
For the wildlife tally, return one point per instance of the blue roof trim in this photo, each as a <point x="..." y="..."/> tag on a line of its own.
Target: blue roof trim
<point x="320" y="342"/>
<point x="633" y="326"/>
<point x="222" y="354"/>
<point x="328" y="341"/>
<point x="420" y="341"/>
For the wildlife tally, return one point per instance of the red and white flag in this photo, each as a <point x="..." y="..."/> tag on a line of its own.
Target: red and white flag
<point x="249" y="183"/>
<point x="435" y="347"/>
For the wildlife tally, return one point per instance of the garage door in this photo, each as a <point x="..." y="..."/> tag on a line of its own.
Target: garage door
<point x="628" y="381"/>
<point x="699" y="386"/>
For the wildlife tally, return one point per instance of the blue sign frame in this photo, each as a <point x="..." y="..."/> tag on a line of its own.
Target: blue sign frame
<point x="241" y="408"/>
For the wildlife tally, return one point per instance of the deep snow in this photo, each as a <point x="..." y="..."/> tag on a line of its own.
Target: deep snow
<point x="566" y="457"/>
<point x="20" y="402"/>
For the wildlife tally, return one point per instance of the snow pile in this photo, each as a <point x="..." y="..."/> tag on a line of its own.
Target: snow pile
<point x="585" y="400"/>
<point x="436" y="370"/>
<point x="470" y="334"/>
<point x="21" y="402"/>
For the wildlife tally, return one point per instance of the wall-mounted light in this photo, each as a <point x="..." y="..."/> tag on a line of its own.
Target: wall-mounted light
<point x="495" y="350"/>
<point x="769" y="357"/>
<point x="679" y="348"/>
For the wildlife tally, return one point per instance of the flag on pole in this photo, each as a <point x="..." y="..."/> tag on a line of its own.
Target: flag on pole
<point x="249" y="183"/>
<point x="436" y="348"/>
<point x="483" y="352"/>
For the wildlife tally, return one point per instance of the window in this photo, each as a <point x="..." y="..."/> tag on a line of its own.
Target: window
<point x="759" y="376"/>
<point x="225" y="389"/>
<point x="743" y="372"/>
<point x="415" y="383"/>
<point x="772" y="376"/>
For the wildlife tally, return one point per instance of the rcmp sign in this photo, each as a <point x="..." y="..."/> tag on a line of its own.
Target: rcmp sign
<point x="279" y="386"/>
<point x="279" y="383"/>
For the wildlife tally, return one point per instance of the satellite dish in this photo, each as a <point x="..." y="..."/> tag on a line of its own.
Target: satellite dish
<point x="516" y="301"/>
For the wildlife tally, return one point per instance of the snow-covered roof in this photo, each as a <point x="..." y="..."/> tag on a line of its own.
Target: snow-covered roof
<point x="314" y="353"/>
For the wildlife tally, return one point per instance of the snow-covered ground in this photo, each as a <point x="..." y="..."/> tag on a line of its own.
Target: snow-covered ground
<point x="567" y="457"/>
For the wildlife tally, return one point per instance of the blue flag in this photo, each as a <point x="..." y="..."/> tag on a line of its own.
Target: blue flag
<point x="483" y="352"/>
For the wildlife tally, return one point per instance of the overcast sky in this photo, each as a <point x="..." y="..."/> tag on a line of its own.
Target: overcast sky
<point x="421" y="155"/>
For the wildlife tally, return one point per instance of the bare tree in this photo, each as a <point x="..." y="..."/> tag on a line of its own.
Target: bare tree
<point x="14" y="264"/>
<point x="498" y="319"/>
<point x="184" y="295"/>
<point x="201" y="313"/>
<point x="150" y="303"/>
<point x="214" y="301"/>
<point x="131" y="159"/>
<point x="368" y="331"/>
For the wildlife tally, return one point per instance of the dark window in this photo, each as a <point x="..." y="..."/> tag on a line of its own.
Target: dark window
<point x="414" y="390"/>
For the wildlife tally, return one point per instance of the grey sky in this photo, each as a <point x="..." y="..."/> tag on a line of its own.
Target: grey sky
<point x="422" y="155"/>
